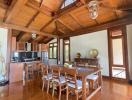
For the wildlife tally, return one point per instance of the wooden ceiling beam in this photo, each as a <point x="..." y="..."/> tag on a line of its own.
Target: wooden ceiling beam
<point x="47" y="24"/>
<point x="70" y="28"/>
<point x="19" y="36"/>
<point x="45" y="10"/>
<point x="25" y="29"/>
<point x="47" y="41"/>
<point x="14" y="10"/>
<point x="32" y="19"/>
<point x="42" y="40"/>
<point x="76" y="20"/>
<point x="86" y="30"/>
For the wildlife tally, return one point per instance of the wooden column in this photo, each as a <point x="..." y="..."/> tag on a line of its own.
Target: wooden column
<point x="58" y="58"/>
<point x="9" y="43"/>
<point x="8" y="52"/>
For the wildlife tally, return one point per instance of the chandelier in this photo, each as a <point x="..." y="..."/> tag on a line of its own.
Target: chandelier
<point x="93" y="9"/>
<point x="34" y="35"/>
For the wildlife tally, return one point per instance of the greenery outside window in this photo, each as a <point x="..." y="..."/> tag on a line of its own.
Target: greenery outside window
<point x="53" y="50"/>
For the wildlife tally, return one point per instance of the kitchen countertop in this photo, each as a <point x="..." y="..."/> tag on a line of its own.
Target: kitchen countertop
<point x="28" y="62"/>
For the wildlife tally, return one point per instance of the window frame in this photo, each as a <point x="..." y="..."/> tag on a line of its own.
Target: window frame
<point x="64" y="49"/>
<point x="53" y="50"/>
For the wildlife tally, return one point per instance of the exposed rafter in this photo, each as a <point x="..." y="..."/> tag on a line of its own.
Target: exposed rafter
<point x="45" y="10"/>
<point x="60" y="21"/>
<point x="14" y="10"/>
<point x="46" y="24"/>
<point x="48" y="40"/>
<point x="19" y="36"/>
<point x="77" y="21"/>
<point x="86" y="30"/>
<point x="25" y="29"/>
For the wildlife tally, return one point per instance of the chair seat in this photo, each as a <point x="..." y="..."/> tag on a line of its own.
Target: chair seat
<point x="93" y="77"/>
<point x="79" y="84"/>
<point x="61" y="81"/>
<point x="47" y="77"/>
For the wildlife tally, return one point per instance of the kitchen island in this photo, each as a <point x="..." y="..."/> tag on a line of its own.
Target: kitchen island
<point x="17" y="71"/>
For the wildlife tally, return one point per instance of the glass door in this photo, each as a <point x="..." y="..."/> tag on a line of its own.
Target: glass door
<point x="66" y="50"/>
<point x="117" y="54"/>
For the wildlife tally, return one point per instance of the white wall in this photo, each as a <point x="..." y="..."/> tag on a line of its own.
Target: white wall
<point x="129" y="41"/>
<point x="3" y="47"/>
<point x="84" y="43"/>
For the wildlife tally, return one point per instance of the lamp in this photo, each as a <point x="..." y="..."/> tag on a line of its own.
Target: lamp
<point x="93" y="9"/>
<point x="34" y="35"/>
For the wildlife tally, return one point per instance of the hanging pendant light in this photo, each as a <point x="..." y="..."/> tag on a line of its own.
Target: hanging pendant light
<point x="34" y="35"/>
<point x="93" y="9"/>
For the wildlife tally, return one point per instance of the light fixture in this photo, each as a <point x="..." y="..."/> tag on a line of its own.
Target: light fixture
<point x="34" y="35"/>
<point x="93" y="9"/>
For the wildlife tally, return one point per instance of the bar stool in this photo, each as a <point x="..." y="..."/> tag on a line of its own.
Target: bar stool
<point x="29" y="74"/>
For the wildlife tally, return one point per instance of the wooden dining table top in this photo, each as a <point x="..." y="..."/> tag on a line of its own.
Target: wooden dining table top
<point x="84" y="71"/>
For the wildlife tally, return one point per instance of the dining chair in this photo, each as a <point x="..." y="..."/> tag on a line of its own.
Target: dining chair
<point x="93" y="79"/>
<point x="46" y="77"/>
<point x="58" y="81"/>
<point x="74" y="85"/>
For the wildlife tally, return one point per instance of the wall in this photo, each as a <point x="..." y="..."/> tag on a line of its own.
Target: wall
<point x="3" y="44"/>
<point x="129" y="41"/>
<point x="84" y="43"/>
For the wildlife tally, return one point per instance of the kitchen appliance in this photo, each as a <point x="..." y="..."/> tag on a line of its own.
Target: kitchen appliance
<point x="44" y="57"/>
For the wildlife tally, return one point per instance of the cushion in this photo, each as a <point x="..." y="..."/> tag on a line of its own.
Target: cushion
<point x="92" y="77"/>
<point x="79" y="84"/>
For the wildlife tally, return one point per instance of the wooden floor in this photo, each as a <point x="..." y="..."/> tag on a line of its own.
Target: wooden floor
<point x="111" y="90"/>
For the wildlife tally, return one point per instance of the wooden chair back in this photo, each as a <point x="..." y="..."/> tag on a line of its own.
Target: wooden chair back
<point x="44" y="69"/>
<point x="55" y="70"/>
<point x="71" y="76"/>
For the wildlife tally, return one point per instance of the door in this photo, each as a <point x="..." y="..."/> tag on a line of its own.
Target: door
<point x="66" y="50"/>
<point x="118" y="53"/>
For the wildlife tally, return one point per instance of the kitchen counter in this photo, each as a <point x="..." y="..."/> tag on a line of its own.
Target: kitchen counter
<point x="17" y="71"/>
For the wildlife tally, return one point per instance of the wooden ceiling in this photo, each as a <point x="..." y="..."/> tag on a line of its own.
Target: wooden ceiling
<point x="48" y="20"/>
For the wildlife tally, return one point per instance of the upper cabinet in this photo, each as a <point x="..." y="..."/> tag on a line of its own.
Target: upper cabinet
<point x="43" y="47"/>
<point x="21" y="46"/>
<point x="13" y="47"/>
<point x="35" y="47"/>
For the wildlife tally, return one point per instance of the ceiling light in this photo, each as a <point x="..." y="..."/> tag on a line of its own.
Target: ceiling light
<point x="93" y="9"/>
<point x="34" y="35"/>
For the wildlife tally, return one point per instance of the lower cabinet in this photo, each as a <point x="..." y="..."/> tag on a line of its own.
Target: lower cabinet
<point x="16" y="72"/>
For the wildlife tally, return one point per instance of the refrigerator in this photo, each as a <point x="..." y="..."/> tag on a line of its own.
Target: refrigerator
<point x="44" y="57"/>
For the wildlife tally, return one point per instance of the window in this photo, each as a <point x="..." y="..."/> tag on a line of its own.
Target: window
<point x="53" y="50"/>
<point x="67" y="2"/>
<point x="66" y="50"/>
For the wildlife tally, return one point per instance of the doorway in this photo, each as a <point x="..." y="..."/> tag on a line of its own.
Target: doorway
<point x="118" y="58"/>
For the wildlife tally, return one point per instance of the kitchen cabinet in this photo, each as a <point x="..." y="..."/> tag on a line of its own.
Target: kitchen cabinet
<point x="21" y="46"/>
<point x="35" y="47"/>
<point x="16" y="72"/>
<point x="43" y="47"/>
<point x="13" y="47"/>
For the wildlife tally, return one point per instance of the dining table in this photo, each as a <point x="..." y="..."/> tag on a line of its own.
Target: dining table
<point x="83" y="73"/>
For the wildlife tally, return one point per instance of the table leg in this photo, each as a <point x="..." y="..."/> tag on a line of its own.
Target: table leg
<point x="83" y="88"/>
